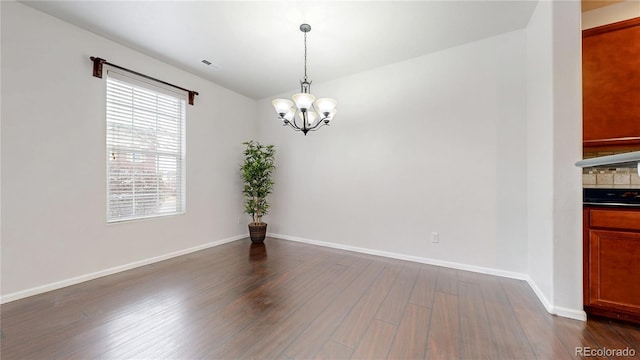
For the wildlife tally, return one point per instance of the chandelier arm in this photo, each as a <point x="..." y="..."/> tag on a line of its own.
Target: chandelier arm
<point x="295" y="124"/>
<point x="321" y="118"/>
<point x="313" y="108"/>
<point x="292" y="126"/>
<point x="319" y="126"/>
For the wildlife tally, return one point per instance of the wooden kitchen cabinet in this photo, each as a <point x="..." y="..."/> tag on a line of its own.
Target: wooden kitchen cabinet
<point x="611" y="268"/>
<point x="611" y="85"/>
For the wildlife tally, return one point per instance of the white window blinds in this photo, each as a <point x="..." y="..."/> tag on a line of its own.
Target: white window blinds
<point x="145" y="150"/>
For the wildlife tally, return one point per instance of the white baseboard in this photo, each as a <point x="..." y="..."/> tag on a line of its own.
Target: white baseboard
<point x="449" y="264"/>
<point x="556" y="310"/>
<point x="560" y="311"/>
<point x="98" y="274"/>
<point x="570" y="313"/>
<point x="543" y="299"/>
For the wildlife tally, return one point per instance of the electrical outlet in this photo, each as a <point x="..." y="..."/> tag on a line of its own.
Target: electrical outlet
<point x="435" y="237"/>
<point x="238" y="219"/>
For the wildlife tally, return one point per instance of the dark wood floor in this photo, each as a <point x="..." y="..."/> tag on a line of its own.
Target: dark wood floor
<point x="288" y="300"/>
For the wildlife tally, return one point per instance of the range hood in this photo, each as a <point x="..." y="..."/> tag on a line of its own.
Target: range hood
<point x="631" y="159"/>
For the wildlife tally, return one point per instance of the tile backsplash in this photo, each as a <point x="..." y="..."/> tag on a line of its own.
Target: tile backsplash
<point x="609" y="177"/>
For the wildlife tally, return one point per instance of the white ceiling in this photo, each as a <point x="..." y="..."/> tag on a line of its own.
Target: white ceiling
<point x="257" y="46"/>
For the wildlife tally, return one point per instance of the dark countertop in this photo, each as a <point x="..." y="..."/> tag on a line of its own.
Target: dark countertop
<point x="611" y="197"/>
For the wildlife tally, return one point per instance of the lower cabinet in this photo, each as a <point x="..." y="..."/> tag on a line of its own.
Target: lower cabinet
<point x="612" y="263"/>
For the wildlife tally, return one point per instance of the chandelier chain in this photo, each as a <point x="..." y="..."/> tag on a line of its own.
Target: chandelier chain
<point x="305" y="56"/>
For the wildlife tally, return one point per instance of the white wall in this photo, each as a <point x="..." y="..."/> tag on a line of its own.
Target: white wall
<point x="554" y="124"/>
<point x="0" y="149"/>
<point x="53" y="151"/>
<point x="610" y="14"/>
<point x="567" y="149"/>
<point x="433" y="144"/>
<point x="540" y="151"/>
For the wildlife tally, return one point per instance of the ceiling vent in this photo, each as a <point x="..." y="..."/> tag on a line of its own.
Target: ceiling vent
<point x="209" y="63"/>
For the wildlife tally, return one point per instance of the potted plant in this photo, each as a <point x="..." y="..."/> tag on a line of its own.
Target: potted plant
<point x="256" y="173"/>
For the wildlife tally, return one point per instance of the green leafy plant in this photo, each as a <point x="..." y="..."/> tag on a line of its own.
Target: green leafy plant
<point x="256" y="173"/>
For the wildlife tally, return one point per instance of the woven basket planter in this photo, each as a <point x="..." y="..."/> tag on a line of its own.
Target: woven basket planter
<point x="257" y="232"/>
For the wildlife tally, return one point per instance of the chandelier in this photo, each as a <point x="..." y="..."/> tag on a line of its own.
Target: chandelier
<point x="308" y="114"/>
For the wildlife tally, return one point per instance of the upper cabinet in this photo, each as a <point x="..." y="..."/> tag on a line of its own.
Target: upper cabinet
<point x="611" y="85"/>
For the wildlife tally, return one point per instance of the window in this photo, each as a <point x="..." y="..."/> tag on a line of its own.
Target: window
<point x="145" y="149"/>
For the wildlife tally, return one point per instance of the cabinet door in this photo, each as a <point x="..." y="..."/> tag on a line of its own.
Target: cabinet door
<point x="614" y="270"/>
<point x="611" y="84"/>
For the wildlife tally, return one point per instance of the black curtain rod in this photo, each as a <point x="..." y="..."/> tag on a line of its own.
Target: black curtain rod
<point x="97" y="72"/>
